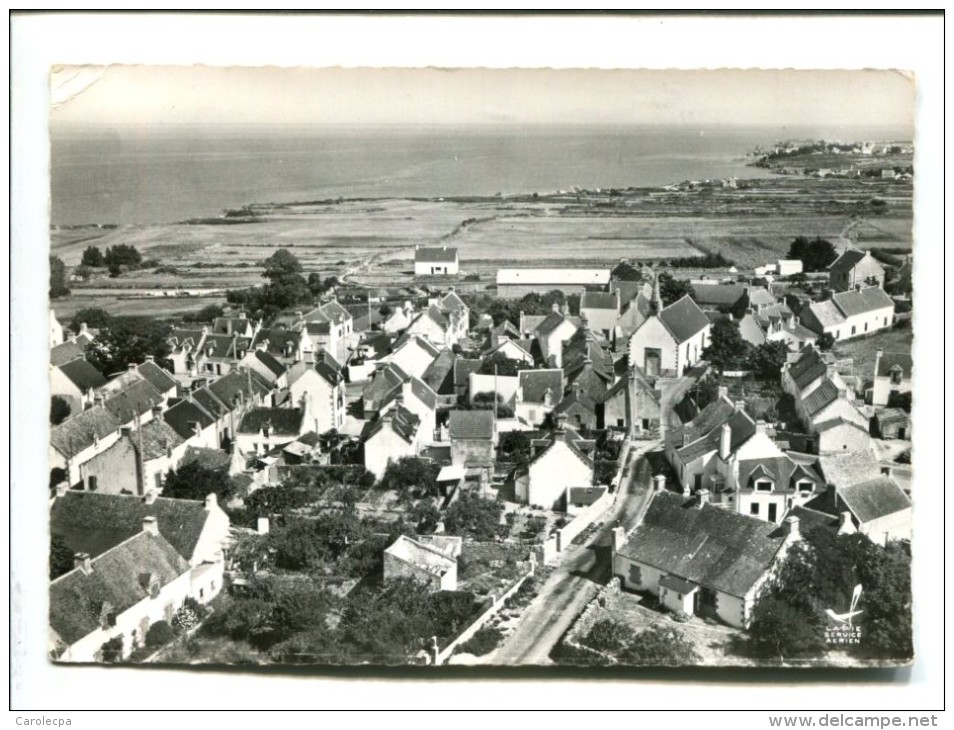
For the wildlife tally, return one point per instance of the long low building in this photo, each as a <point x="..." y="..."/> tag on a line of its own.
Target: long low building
<point x="515" y="283"/>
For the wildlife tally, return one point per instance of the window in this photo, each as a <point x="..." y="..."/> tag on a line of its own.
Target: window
<point x="201" y="593"/>
<point x="93" y="483"/>
<point x="635" y="575"/>
<point x="896" y="377"/>
<point x="866" y="326"/>
<point x="754" y="508"/>
<point x="853" y="328"/>
<point x="764" y="485"/>
<point x="620" y="423"/>
<point x="806" y="487"/>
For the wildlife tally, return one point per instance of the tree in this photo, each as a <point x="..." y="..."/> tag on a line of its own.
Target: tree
<point x="94" y="317"/>
<point x="607" y="636"/>
<point x="782" y="631"/>
<point x="208" y="313"/>
<point x="281" y="263"/>
<point x="159" y="633"/>
<point x="61" y="557"/>
<point x="826" y="341"/>
<point x="128" y="340"/>
<point x="672" y="290"/>
<point x="726" y="350"/>
<point x="816" y="254"/>
<point x="425" y="516"/>
<point x="59" y="410"/>
<point x="411" y="477"/>
<point x="122" y="255"/>
<point x="194" y="481"/>
<point x="659" y="646"/>
<point x="112" y="650"/>
<point x="58" y="285"/>
<point x="506" y="367"/>
<point x="484" y="401"/>
<point x="92" y="256"/>
<point x="473" y="517"/>
<point x="515" y="446"/>
<point x="767" y="359"/>
<point x="315" y="284"/>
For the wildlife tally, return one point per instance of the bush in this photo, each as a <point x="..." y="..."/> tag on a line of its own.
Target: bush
<point x="159" y="633"/>
<point x="484" y="641"/>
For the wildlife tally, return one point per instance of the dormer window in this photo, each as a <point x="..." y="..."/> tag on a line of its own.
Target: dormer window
<point x="764" y="485"/>
<point x="896" y="376"/>
<point x="107" y="616"/>
<point x="805" y="487"/>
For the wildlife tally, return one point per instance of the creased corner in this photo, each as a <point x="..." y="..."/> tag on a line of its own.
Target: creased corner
<point x="68" y="82"/>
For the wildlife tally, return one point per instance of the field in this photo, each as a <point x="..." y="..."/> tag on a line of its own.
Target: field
<point x="371" y="242"/>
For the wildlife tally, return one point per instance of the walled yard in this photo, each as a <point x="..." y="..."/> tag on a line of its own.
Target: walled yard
<point x="863" y="349"/>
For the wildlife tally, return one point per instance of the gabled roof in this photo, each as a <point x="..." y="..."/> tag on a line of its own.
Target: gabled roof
<point x="568" y="436"/>
<point x="577" y="399"/>
<point x="873" y="499"/>
<point x="228" y="325"/>
<point x="709" y="418"/>
<point x="861" y="301"/>
<point x="742" y="426"/>
<point x="780" y="469"/>
<point x="535" y="383"/>
<point x="83" y="375"/>
<point x="716" y="294"/>
<point x="630" y="290"/>
<point x="133" y="401"/>
<point x="471" y="425"/>
<point x="207" y="400"/>
<point x="206" y="458"/>
<point x="325" y="371"/>
<point x="64" y="353"/>
<point x="823" y="396"/>
<point x="379" y="342"/>
<point x="714" y="547"/>
<point x="892" y="415"/>
<point x="891" y="360"/>
<point x="843" y="470"/>
<point x="77" y="600"/>
<point x="158" y="438"/>
<point x="463" y="367"/>
<point x="588" y="383"/>
<point x="442" y="255"/>
<point x="235" y="387"/>
<point x="451" y="302"/>
<point x="836" y="422"/>
<point x="276" y="367"/>
<point x="642" y="384"/>
<point x="280" y="421"/>
<point x="847" y="261"/>
<point x="439" y="374"/>
<point x="437" y="317"/>
<point x="411" y="339"/>
<point x="334" y="311"/>
<point x="506" y="328"/>
<point x="183" y="414"/>
<point x="684" y="319"/>
<point x="811" y="519"/>
<point x="423" y="393"/>
<point x="550" y="323"/>
<point x="402" y="421"/>
<point x="760" y="297"/>
<point x="160" y="379"/>
<point x="827" y="313"/>
<point x="599" y="300"/>
<point x="224" y="346"/>
<point x="80" y="431"/>
<point x="93" y="522"/>
<point x="808" y="375"/>
<point x="278" y="338"/>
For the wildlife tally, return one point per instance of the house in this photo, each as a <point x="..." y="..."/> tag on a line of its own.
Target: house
<point x="892" y="423"/>
<point x="395" y="435"/>
<point x="429" y="560"/>
<point x="158" y="378"/>
<point x="555" y="329"/>
<point x="506" y="330"/>
<point x="417" y="397"/>
<point x="719" y="297"/>
<point x="892" y="376"/>
<point x="239" y="325"/>
<point x="579" y="409"/>
<point x="286" y="345"/>
<point x="77" y="440"/>
<point x="399" y="319"/>
<point x="267" y="366"/>
<point x="632" y="404"/>
<point x="118" y="594"/>
<point x="701" y="559"/>
<point x="380" y="391"/>
<point x="193" y="423"/>
<point x="512" y="350"/>
<point x="131" y="398"/>
<point x="436" y="261"/>
<point x="558" y="463"/>
<point x="56" y="330"/>
<point x="443" y="329"/>
<point x="538" y="393"/>
<point x="601" y="311"/>
<point x="413" y="354"/>
<point x="855" y="268"/>
<point x="823" y="402"/>
<point x="76" y="382"/>
<point x="262" y="429"/>
<point x="66" y="352"/>
<point x="324" y="388"/>
<point x="789" y="267"/>
<point x="162" y="449"/>
<point x="439" y="377"/>
<point x="671" y="339"/>
<point x="878" y="508"/>
<point x="219" y="354"/>
<point x="185" y="344"/>
<point x="505" y="386"/>
<point x="516" y="283"/>
<point x="473" y="438"/>
<point x="635" y="300"/>
<point x="464" y="367"/>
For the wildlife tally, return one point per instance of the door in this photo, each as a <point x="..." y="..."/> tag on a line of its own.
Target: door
<point x="653" y="361"/>
<point x="902" y="434"/>
<point x="773" y="512"/>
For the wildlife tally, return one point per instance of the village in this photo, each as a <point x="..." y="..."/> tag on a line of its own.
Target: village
<point x="584" y="465"/>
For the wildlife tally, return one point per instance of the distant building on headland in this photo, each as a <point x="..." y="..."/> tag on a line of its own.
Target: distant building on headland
<point x="436" y="261"/>
<point x="516" y="283"/>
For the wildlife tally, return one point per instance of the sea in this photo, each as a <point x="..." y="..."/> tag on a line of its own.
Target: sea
<point x="152" y="175"/>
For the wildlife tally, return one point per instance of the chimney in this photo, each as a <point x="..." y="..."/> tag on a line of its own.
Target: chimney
<point x="561" y="422"/>
<point x="725" y="441"/>
<point x="703" y="497"/>
<point x="791" y="528"/>
<point x="659" y="483"/>
<point x="619" y="538"/>
<point x="83" y="328"/>
<point x="62" y="488"/>
<point x="151" y="525"/>
<point x="150" y="496"/>
<point x="846" y="525"/>
<point x="740" y="405"/>
<point x="686" y="492"/>
<point x="555" y="307"/>
<point x="261" y="525"/>
<point x="211" y="500"/>
<point x="878" y="353"/>
<point x="83" y="562"/>
<point x="196" y="428"/>
<point x="723" y="392"/>
<point x="131" y="367"/>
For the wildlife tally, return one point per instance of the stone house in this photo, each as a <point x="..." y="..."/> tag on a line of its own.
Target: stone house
<point x="413" y="354"/>
<point x="632" y="404"/>
<point x="855" y="268"/>
<point x="324" y="388"/>
<point x="892" y="376"/>
<point x="473" y="438"/>
<point x="429" y="560"/>
<point x="551" y="333"/>
<point x="538" y="393"/>
<point x="601" y="311"/>
<point x="76" y="383"/>
<point x="892" y="423"/>
<point x="393" y="436"/>
<point x="79" y="439"/>
<point x="877" y="508"/>
<point x="558" y="463"/>
<point x="671" y="339"/>
<point x="850" y="313"/>
<point x="262" y="429"/>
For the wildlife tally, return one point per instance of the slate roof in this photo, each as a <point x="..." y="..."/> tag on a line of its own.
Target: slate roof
<point x="781" y="469"/>
<point x="463" y="367"/>
<point x="437" y="317"/>
<point x="281" y="421"/>
<point x="585" y="495"/>
<point x="812" y="519"/>
<point x="873" y="499"/>
<point x="225" y="346"/>
<point x="683" y="319"/>
<point x="808" y="375"/>
<point x="182" y="336"/>
<point x="277" y="338"/>
<point x="743" y="428"/>
<point x="628" y="290"/>
<point x="158" y="437"/>
<point x="589" y="383"/>
<point x="847" y="261"/>
<point x="712" y="416"/>
<point x="843" y="470"/>
<point x="379" y="342"/>
<point x="835" y="422"/>
<point x="892" y="415"/>
<point x="716" y="294"/>
<point x="94" y="522"/>
<point x="442" y="255"/>
<point x="423" y="393"/>
<point x="716" y="548"/>
<point x="182" y="414"/>
<point x="387" y="380"/>
<point x="83" y="375"/>
<point x="471" y="425"/>
<point x="160" y="379"/>
<point x="439" y="374"/>
<point x="599" y="300"/>
<point x="571" y="438"/>
<point x="133" y="401"/>
<point x="807" y="358"/>
<point x="549" y="323"/>
<point x="827" y="313"/>
<point x="411" y="339"/>
<point x="823" y="396"/>
<point x="452" y="302"/>
<point x="78" y="433"/>
<point x="208" y="401"/>
<point x="206" y="458"/>
<point x="759" y="297"/>
<point x="890" y="360"/>
<point x="64" y="353"/>
<point x="335" y="311"/>
<point x="534" y="385"/>
<point x="232" y="384"/>
<point x="77" y="600"/>
<point x="228" y="325"/>
<point x="318" y="328"/>
<point x="269" y="362"/>
<point x="402" y="421"/>
<point x="861" y="301"/>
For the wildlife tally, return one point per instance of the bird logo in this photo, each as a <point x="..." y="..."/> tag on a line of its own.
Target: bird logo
<point x="845" y="619"/>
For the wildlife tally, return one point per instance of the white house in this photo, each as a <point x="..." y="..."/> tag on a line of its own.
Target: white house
<point x="538" y="393"/>
<point x="56" y="330"/>
<point x="789" y="267"/>
<point x="601" y="311"/>
<point x="892" y="375"/>
<point x="436" y="261"/>
<point x="877" y="508"/>
<point x="324" y="388"/>
<point x="76" y="383"/>
<point x="850" y="313"/>
<point x="671" y="339"/>
<point x="560" y="462"/>
<point x="262" y="429"/>
<point x="394" y="435"/>
<point x="429" y="560"/>
<point x="551" y="333"/>
<point x="855" y="268"/>
<point x="413" y="354"/>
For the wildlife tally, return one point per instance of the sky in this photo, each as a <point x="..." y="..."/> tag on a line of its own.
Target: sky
<point x="169" y="95"/>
